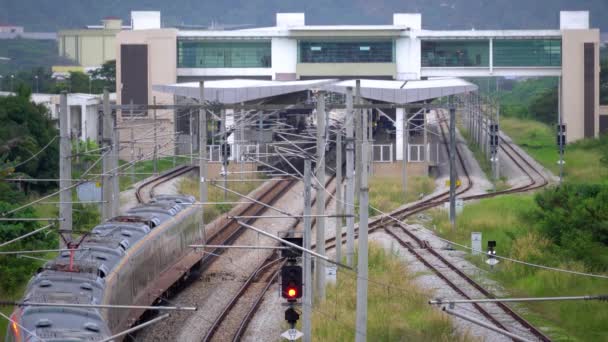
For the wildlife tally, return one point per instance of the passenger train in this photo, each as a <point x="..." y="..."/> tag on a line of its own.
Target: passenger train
<point x="127" y="260"/>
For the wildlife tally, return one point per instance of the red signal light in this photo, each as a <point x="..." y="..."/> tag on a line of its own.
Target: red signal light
<point x="292" y="292"/>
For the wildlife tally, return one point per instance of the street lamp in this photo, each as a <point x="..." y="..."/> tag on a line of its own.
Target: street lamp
<point x="1" y="83"/>
<point x="12" y="78"/>
<point x="36" y="78"/>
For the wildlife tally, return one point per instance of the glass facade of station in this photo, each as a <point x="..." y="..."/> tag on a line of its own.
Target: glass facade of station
<point x="346" y="51"/>
<point x="206" y="54"/>
<point x="455" y="53"/>
<point x="527" y="52"/>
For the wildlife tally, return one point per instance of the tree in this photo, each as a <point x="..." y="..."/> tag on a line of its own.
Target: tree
<point x="543" y="106"/>
<point x="26" y="128"/>
<point x="107" y="74"/>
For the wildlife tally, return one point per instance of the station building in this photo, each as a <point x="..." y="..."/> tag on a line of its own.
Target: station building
<point x="402" y="51"/>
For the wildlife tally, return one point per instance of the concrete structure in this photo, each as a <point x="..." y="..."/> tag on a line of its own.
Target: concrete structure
<point x="94" y="45"/>
<point x="404" y="51"/>
<point x="83" y="120"/>
<point x="91" y="46"/>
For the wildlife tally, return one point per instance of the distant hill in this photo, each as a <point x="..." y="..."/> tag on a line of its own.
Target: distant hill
<point x="50" y="15"/>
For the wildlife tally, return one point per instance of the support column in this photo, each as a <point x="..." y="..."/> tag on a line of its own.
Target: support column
<point x="224" y="152"/>
<point x="65" y="168"/>
<point x="453" y="166"/>
<point x="320" y="201"/>
<point x="106" y="179"/>
<point x="405" y="152"/>
<point x="202" y="155"/>
<point x="115" y="175"/>
<point x="350" y="181"/>
<point x="155" y="138"/>
<point x="339" y="195"/>
<point x="362" y="266"/>
<point x="358" y="138"/>
<point x="307" y="307"/>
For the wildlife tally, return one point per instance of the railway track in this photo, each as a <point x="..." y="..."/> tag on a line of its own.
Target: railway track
<point x="145" y="191"/>
<point x="231" y="324"/>
<point x="498" y="314"/>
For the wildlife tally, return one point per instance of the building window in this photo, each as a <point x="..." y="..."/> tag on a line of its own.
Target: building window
<point x="203" y="54"/>
<point x="527" y="52"/>
<point x="346" y="51"/>
<point x="455" y="53"/>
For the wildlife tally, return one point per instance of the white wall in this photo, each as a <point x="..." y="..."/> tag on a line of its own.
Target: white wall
<point x="145" y="20"/>
<point x="284" y="56"/>
<point x="399" y="134"/>
<point x="407" y="57"/>
<point x="574" y="20"/>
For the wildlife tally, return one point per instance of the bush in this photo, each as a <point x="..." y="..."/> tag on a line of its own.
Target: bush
<point x="575" y="218"/>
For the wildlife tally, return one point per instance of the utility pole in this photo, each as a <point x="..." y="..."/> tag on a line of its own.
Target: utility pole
<point x="425" y="137"/>
<point x="107" y="189"/>
<point x="339" y="195"/>
<point x="561" y="131"/>
<point x="453" y="166"/>
<point x="191" y="133"/>
<point x="358" y="134"/>
<point x="362" y="266"/>
<point x="320" y="223"/>
<point x="155" y="138"/>
<point x="132" y="145"/>
<point x="350" y="185"/>
<point x="65" y="169"/>
<point x="202" y="154"/>
<point x="114" y="155"/>
<point x="241" y="144"/>
<point x="370" y="138"/>
<point x="223" y="151"/>
<point x="404" y="141"/>
<point x="307" y="307"/>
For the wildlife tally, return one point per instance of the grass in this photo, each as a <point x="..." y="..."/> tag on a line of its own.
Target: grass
<point x="190" y="186"/>
<point x="517" y="237"/>
<point x="538" y="139"/>
<point x="394" y="313"/>
<point x="386" y="195"/>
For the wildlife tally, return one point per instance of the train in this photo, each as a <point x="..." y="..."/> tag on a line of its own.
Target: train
<point x="133" y="259"/>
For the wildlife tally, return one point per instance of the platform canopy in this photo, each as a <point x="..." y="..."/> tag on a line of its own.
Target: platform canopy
<point x="243" y="90"/>
<point x="402" y="92"/>
<point x="240" y="90"/>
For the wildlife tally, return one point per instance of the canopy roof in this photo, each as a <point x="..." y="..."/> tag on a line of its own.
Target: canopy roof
<point x="402" y="92"/>
<point x="243" y="90"/>
<point x="239" y="90"/>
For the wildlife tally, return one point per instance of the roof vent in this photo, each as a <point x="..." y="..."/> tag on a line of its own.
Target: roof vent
<point x="45" y="283"/>
<point x="86" y="286"/>
<point x="124" y="244"/>
<point x="101" y="257"/>
<point x="90" y="326"/>
<point x="44" y="323"/>
<point x="126" y="233"/>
